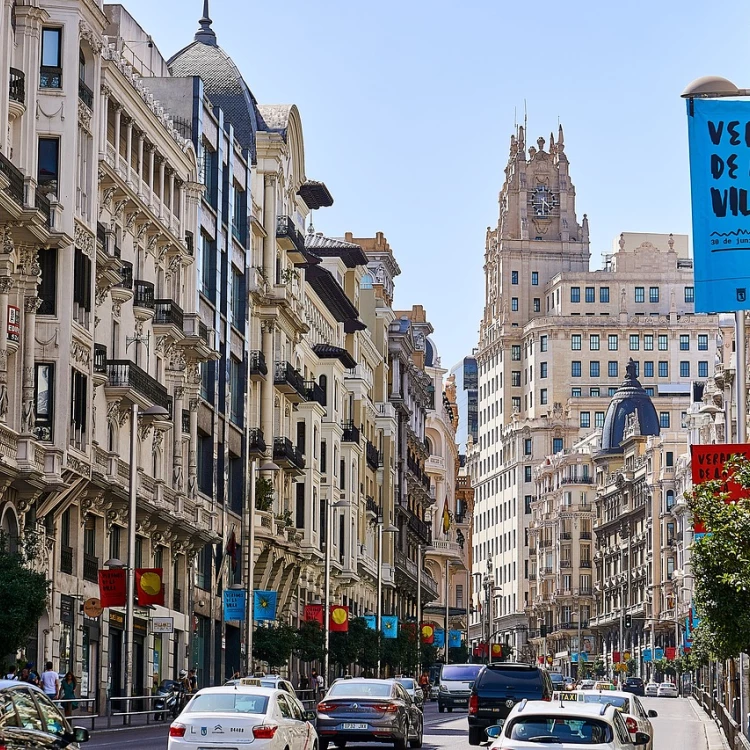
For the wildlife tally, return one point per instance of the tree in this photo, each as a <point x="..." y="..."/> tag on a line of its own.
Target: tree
<point x="458" y="654"/>
<point x="274" y="644"/>
<point x="22" y="590"/>
<point x="310" y="642"/>
<point x="359" y="645"/>
<point x="721" y="565"/>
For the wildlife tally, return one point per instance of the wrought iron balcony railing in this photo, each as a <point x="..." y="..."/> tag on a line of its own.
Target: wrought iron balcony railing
<point x="144" y="294"/>
<point x="257" y="363"/>
<point x="17" y="86"/>
<point x="168" y="312"/>
<point x="122" y="373"/>
<point x="351" y="433"/>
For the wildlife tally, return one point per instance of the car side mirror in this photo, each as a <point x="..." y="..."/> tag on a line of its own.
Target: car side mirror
<point x="310" y="716"/>
<point x="641" y="738"/>
<point x="493" y="732"/>
<point x="80" y="734"/>
<point x="652" y="714"/>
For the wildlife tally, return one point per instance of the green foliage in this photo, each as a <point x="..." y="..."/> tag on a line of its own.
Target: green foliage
<point x="721" y="564"/>
<point x="310" y="643"/>
<point x="599" y="669"/>
<point x="274" y="644"/>
<point x="24" y="588"/>
<point x="429" y="655"/>
<point x="458" y="654"/>
<point x="359" y="645"/>
<point x="263" y="494"/>
<point x="665" y="666"/>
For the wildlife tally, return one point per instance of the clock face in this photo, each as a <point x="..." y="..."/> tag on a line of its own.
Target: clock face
<point x="542" y="201"/>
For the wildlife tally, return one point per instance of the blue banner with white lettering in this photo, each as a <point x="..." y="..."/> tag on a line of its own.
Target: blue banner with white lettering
<point x="719" y="139"/>
<point x="371" y="622"/>
<point x="235" y="602"/>
<point x="438" y="639"/>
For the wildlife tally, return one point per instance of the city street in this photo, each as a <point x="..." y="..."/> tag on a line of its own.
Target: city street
<point x="678" y="726"/>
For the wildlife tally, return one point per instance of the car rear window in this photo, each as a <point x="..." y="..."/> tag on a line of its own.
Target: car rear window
<point x="573" y="731"/>
<point x="622" y="703"/>
<point x="361" y="689"/>
<point x="408" y="683"/>
<point x="523" y="679"/>
<point x="230" y="703"/>
<point x="461" y="672"/>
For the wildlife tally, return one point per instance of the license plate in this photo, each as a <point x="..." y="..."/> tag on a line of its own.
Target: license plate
<point x="460" y="702"/>
<point x="354" y="726"/>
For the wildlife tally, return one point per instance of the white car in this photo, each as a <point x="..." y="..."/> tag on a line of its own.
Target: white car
<point x="565" y="725"/>
<point x="637" y="719"/>
<point x="232" y="715"/>
<point x="667" y="690"/>
<point x="652" y="688"/>
<point x="586" y="685"/>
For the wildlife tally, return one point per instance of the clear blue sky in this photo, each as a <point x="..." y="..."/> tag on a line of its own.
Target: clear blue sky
<point x="407" y="109"/>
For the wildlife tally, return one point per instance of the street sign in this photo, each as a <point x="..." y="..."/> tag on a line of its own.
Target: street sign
<point x="92" y="608"/>
<point x="162" y="624"/>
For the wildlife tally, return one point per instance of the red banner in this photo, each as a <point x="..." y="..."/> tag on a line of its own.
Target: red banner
<point x="497" y="650"/>
<point x="339" y="619"/>
<point x="149" y="586"/>
<point x="616" y="657"/>
<point x="481" y="650"/>
<point x="670" y="653"/>
<point x="428" y="633"/>
<point x="112" y="587"/>
<point x="314" y="613"/>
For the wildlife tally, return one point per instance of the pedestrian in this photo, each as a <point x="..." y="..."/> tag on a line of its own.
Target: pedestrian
<point x="33" y="677"/>
<point x="12" y="674"/>
<point x="50" y="681"/>
<point x="314" y="681"/>
<point x="184" y="688"/>
<point x="321" y="685"/>
<point x="68" y="693"/>
<point x="193" y="677"/>
<point x="304" y="682"/>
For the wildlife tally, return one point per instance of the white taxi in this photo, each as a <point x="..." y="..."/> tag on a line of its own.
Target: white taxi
<point x="566" y="725"/>
<point x="637" y="719"/>
<point x="225" y="717"/>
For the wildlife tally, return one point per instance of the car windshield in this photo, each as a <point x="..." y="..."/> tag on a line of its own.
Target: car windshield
<point x="622" y="703"/>
<point x="228" y="703"/>
<point x="666" y="684"/>
<point x="521" y="679"/>
<point x="461" y="672"/>
<point x="407" y="682"/>
<point x="360" y="689"/>
<point x="573" y="731"/>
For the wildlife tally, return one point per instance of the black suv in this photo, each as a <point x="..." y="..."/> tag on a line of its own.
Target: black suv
<point x="498" y="688"/>
<point x="635" y="686"/>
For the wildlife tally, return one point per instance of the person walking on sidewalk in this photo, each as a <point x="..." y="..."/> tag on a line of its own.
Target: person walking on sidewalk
<point x="68" y="693"/>
<point x="50" y="681"/>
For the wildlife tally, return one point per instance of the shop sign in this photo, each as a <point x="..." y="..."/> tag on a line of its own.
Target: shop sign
<point x="14" y="323"/>
<point x="162" y="624"/>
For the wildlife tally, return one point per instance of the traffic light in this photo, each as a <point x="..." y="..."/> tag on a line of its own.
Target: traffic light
<point x="628" y="621"/>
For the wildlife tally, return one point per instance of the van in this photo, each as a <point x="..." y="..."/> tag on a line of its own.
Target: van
<point x="454" y="685"/>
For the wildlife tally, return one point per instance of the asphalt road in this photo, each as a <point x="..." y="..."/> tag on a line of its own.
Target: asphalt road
<point x="677" y="726"/>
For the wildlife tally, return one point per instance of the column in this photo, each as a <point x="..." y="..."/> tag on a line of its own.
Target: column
<point x="129" y="150"/>
<point x="118" y="130"/>
<point x="171" y="196"/>
<point x="177" y="475"/>
<point x="30" y="305"/>
<point x="193" y="459"/>
<point x="141" y="142"/>
<point x="151" y="162"/>
<point x="267" y="387"/>
<point x="162" y="175"/>
<point x="269" y="224"/>
<point x="104" y="122"/>
<point x="6" y="284"/>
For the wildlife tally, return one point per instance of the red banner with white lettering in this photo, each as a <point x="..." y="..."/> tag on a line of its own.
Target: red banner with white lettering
<point x="670" y="652"/>
<point x="112" y="587"/>
<point x="314" y="613"/>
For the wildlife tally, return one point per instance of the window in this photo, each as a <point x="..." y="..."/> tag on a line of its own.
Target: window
<point x="611" y="391"/>
<point x="664" y="419"/>
<point x="205" y="464"/>
<point x="670" y="499"/>
<point x="702" y="342"/>
<point x="527" y="446"/>
<point x="515" y="353"/>
<point x="236" y="391"/>
<point x="535" y="278"/>
<point x="527" y="504"/>
<point x="47" y="289"/>
<point x="78" y="409"/>
<point x="48" y="165"/>
<point x="323" y="456"/>
<point x="515" y="378"/>
<point x="543" y="396"/>
<point x="703" y="369"/>
<point x="516" y="403"/>
<point x="689" y="294"/>
<point x="514" y="304"/>
<point x="599" y="419"/>
<point x="648" y="369"/>
<point x="594" y="342"/>
<point x="640" y="294"/>
<point x="649" y="391"/>
<point x="594" y="369"/>
<point x="537" y="305"/>
<point x="239" y="216"/>
<point x="663" y="369"/>
<point x="50" y="72"/>
<point x="653" y="294"/>
<point x="211" y="176"/>
<point x="604" y="294"/>
<point x="575" y="294"/>
<point x="594" y="392"/>
<point x="557" y="445"/>
<point x="238" y="300"/>
<point x="684" y="342"/>
<point x="542" y="369"/>
<point x="648" y="342"/>
<point x="585" y="419"/>
<point x="208" y="267"/>
<point x="575" y="342"/>
<point x="637" y="369"/>
<point x="590" y="293"/>
<point x="575" y="392"/>
<point x="514" y="277"/>
<point x="81" y="288"/>
<point x="670" y="458"/>
<point x="542" y="343"/>
<point x="575" y="369"/>
<point x="612" y="342"/>
<point x="44" y="391"/>
<point x="684" y="369"/>
<point x="663" y="343"/>
<point x="635" y="342"/>
<point x="527" y="473"/>
<point x="612" y="369"/>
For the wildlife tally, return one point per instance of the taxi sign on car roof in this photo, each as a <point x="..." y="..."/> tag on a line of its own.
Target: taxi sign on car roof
<point x="250" y="681"/>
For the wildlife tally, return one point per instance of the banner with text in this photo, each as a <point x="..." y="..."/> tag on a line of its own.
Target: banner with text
<point x="235" y="604"/>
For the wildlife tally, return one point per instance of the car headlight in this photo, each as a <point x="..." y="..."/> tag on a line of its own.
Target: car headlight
<point x="443" y="689"/>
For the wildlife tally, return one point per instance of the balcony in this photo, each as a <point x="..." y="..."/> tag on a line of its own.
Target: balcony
<point x="168" y="313"/>
<point x="257" y="365"/>
<point x="100" y="359"/>
<point x="586" y="535"/>
<point x="17" y="86"/>
<point x="420" y="528"/>
<point x="578" y="480"/>
<point x="585" y="563"/>
<point x="545" y="571"/>
<point x="14" y="176"/>
<point x="565" y="564"/>
<point x="435" y="465"/>
<point x="372" y="455"/>
<point x="285" y="454"/>
<point x="124" y="375"/>
<point x="372" y="507"/>
<point x="90" y="568"/>
<point x="290" y="238"/>
<point x="545" y="543"/>
<point x="257" y="443"/>
<point x="315" y="392"/>
<point x="289" y="382"/>
<point x="126" y="271"/>
<point x="144" y="294"/>
<point x="186" y="421"/>
<point x="66" y="560"/>
<point x="85" y="94"/>
<point x="566" y="535"/>
<point x="351" y="433"/>
<point x="50" y="77"/>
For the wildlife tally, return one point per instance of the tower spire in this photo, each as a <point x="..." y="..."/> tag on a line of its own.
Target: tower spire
<point x="205" y="33"/>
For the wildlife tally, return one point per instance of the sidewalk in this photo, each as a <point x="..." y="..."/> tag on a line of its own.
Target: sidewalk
<point x="103" y="723"/>
<point x="715" y="739"/>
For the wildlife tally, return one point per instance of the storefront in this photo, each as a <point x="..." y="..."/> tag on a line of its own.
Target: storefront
<point x="89" y="658"/>
<point x="67" y="635"/>
<point x="117" y="655"/>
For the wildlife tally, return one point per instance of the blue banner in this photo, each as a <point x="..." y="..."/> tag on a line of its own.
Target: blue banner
<point x="719" y="138"/>
<point x="264" y="605"/>
<point x="454" y="639"/>
<point x="371" y="622"/>
<point x="439" y="639"/>
<point x="647" y="654"/>
<point x="235" y="602"/>
<point x="389" y="626"/>
<point x="658" y="653"/>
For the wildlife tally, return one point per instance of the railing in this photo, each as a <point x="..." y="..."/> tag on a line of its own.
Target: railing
<point x="50" y="77"/>
<point x="66" y="560"/>
<point x="351" y="433"/>
<point x="578" y="480"/>
<point x="257" y="442"/>
<point x="126" y="271"/>
<point x="586" y="535"/>
<point x="144" y="294"/>
<point x="185" y="421"/>
<point x="566" y="564"/>
<point x="420" y="528"/>
<point x="545" y="571"/>
<point x="566" y="535"/>
<point x="85" y="94"/>
<point x="285" y="229"/>
<point x="168" y="312"/>
<point x="544" y="543"/>
<point x="90" y="568"/>
<point x="101" y="235"/>
<point x="371" y="506"/>
<point x="315" y="392"/>
<point x="123" y="373"/>
<point x="585" y="563"/>
<point x="17" y="86"/>
<point x="15" y="177"/>
<point x="100" y="358"/>
<point x="717" y="710"/>
<point x="284" y="450"/>
<point x="285" y="374"/>
<point x="372" y="455"/>
<point x="257" y="363"/>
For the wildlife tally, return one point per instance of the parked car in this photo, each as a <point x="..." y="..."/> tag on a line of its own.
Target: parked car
<point x="565" y="726"/>
<point x="29" y="719"/>
<point x="366" y="710"/>
<point x="652" y="688"/>
<point x="586" y="685"/>
<point x="570" y="683"/>
<point x="667" y="690"/>
<point x="498" y="688"/>
<point x="558" y="681"/>
<point x="635" y="686"/>
<point x="455" y="685"/>
<point x="434" y="691"/>
<point x="413" y="688"/>
<point x="224" y="716"/>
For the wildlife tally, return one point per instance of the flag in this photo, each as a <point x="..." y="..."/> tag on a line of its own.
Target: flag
<point x="235" y="601"/>
<point x="264" y="605"/>
<point x="339" y="620"/>
<point x="446" y="517"/>
<point x="231" y="551"/>
<point x="497" y="650"/>
<point x="371" y="622"/>
<point x="671" y="653"/>
<point x="112" y="588"/>
<point x="314" y="613"/>
<point x="439" y="641"/>
<point x="454" y="639"/>
<point x="428" y="633"/>
<point x="149" y="586"/>
<point x="389" y="626"/>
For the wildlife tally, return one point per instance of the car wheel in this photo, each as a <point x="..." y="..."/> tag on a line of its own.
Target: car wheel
<point x="400" y="743"/>
<point x="441" y="708"/>
<point x="340" y="744"/>
<point x="476" y="735"/>
<point x="450" y="709"/>
<point x="417" y="742"/>
<point x="323" y="745"/>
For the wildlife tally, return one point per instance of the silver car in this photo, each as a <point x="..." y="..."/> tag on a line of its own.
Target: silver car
<point x="413" y="688"/>
<point x="365" y="710"/>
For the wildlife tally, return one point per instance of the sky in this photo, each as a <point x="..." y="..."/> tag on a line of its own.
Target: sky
<point x="408" y="106"/>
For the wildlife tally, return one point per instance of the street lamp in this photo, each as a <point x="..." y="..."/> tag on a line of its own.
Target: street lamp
<point x="389" y="529"/>
<point x="147" y="417"/>
<point x="270" y="467"/>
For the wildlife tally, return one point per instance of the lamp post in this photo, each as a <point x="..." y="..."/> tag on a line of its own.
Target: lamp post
<point x="488" y="586"/>
<point x="390" y="529"/>
<point x="419" y="613"/>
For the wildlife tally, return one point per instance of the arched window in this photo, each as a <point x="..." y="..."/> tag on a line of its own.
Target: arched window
<point x="366" y="282"/>
<point x="81" y="66"/>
